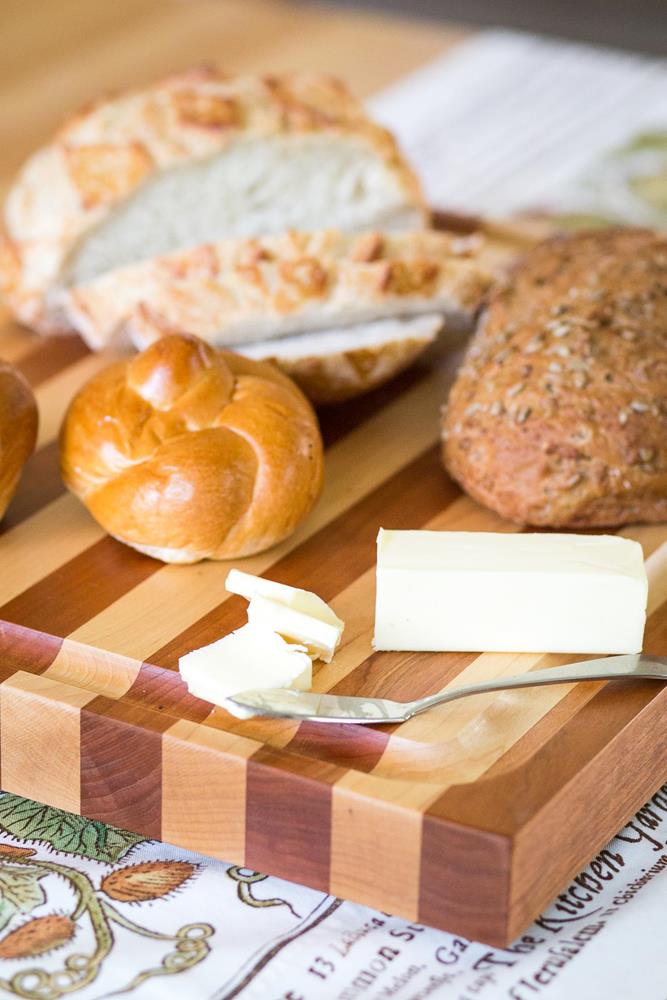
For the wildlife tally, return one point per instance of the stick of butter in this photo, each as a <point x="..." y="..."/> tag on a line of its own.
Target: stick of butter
<point x="478" y="591"/>
<point x="249" y="659"/>
<point x="297" y="615"/>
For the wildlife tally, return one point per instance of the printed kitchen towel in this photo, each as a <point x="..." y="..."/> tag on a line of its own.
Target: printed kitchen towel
<point x="93" y="912"/>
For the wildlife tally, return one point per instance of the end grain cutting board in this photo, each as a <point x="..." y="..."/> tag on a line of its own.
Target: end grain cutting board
<point x="470" y="817"/>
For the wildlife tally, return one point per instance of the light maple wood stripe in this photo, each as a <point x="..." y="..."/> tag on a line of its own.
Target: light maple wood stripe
<point x="138" y="623"/>
<point x="39" y="725"/>
<point x="15" y="343"/>
<point x="95" y="669"/>
<point x="204" y="789"/>
<point x="656" y="568"/>
<point x="360" y="846"/>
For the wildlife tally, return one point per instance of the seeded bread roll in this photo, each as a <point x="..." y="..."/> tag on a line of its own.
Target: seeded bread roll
<point x="558" y="416"/>
<point x="18" y="429"/>
<point x="187" y="453"/>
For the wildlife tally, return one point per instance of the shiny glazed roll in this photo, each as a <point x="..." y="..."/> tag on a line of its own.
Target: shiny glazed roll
<point x="188" y="453"/>
<point x="18" y="430"/>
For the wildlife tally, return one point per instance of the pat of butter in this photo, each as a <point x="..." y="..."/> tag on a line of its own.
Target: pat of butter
<point x="320" y="638"/>
<point x="297" y="615"/>
<point x="249" y="659"/>
<point x="478" y="591"/>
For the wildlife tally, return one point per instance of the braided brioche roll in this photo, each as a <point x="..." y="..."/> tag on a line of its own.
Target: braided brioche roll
<point x="187" y="453"/>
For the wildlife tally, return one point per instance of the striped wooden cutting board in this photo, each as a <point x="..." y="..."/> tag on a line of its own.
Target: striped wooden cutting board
<point x="469" y="817"/>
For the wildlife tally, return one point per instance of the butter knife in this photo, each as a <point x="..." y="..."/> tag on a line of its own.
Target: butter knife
<point x="311" y="707"/>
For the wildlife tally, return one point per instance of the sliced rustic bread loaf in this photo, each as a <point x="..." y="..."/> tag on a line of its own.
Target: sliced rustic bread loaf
<point x="190" y="160"/>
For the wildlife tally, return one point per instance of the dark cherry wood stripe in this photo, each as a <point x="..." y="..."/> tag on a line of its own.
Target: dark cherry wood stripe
<point x="290" y="840"/>
<point x="400" y="676"/>
<point x="338" y="419"/>
<point x="49" y="356"/>
<point x="454" y="223"/>
<point x="464" y="881"/>
<point x="77" y="591"/>
<point x="40" y="484"/>
<point x="25" y="649"/>
<point x="121" y="765"/>
<point x="357" y="747"/>
<point x="163" y="691"/>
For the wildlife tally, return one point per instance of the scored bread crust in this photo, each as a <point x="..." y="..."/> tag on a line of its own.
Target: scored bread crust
<point x="188" y="453"/>
<point x="558" y="416"/>
<point x="18" y="429"/>
<point x="243" y="290"/>
<point x="104" y="153"/>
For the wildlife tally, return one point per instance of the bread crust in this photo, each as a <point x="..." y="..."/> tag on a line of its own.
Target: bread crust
<point x="337" y="377"/>
<point x="189" y="453"/>
<point x="244" y="290"/>
<point x="102" y="154"/>
<point x="18" y="430"/>
<point x="558" y="416"/>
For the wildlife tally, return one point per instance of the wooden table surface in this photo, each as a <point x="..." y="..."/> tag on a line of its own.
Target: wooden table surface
<point x="59" y="55"/>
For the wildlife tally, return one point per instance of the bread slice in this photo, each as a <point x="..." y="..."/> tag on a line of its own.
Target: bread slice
<point x="337" y="312"/>
<point x="190" y="160"/>
<point x="240" y="291"/>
